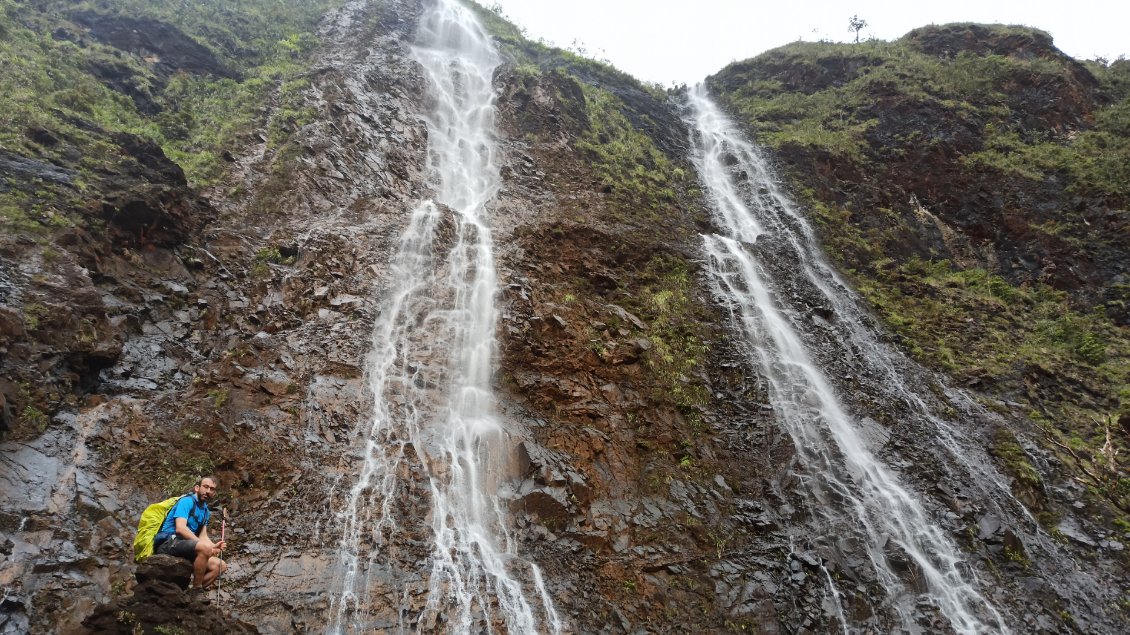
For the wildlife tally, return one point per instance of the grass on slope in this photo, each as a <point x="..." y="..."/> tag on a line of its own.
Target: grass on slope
<point x="857" y="108"/>
<point x="48" y="85"/>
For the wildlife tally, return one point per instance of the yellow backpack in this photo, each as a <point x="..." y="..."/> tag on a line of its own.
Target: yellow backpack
<point x="151" y="520"/>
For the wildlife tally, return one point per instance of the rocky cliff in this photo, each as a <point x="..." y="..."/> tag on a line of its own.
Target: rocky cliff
<point x="971" y="180"/>
<point x="200" y="211"/>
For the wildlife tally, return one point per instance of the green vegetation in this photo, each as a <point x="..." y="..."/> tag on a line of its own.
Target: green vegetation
<point x="33" y="313"/>
<point x="1017" y="556"/>
<point x="34" y="419"/>
<point x="976" y="325"/>
<point x="179" y="475"/>
<point x="626" y="161"/>
<point x="1097" y="161"/>
<point x="266" y="257"/>
<point x="1038" y="141"/>
<point x="54" y="107"/>
<point x="129" y="619"/>
<point x="823" y="96"/>
<point x="676" y="332"/>
<point x="219" y="397"/>
<point x="533" y="56"/>
<point x="642" y="181"/>
<point x="974" y="320"/>
<point x="1008" y="450"/>
<point x="292" y="113"/>
<point x="273" y="255"/>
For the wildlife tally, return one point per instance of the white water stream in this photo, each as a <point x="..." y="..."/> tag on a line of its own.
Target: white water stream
<point x="430" y="371"/>
<point x="854" y="491"/>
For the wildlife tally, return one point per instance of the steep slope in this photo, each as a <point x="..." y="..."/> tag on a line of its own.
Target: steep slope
<point x="253" y="366"/>
<point x="972" y="181"/>
<point x="651" y="482"/>
<point x="113" y="296"/>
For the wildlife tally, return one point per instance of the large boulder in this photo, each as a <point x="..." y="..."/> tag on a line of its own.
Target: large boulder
<point x="162" y="599"/>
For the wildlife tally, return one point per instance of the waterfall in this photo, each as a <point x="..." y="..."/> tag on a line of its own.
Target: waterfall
<point x="435" y="437"/>
<point x="762" y="266"/>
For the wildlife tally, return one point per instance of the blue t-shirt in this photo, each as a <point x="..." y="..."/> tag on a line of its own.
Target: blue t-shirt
<point x="192" y="510"/>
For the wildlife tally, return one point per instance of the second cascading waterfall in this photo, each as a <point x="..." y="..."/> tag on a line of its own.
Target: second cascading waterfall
<point x="857" y="495"/>
<point x="434" y="438"/>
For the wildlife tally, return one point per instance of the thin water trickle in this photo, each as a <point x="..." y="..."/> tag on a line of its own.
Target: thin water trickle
<point x="429" y="371"/>
<point x="866" y="497"/>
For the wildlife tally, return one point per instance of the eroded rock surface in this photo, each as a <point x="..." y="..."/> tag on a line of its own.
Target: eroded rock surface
<point x="162" y="601"/>
<point x="228" y="332"/>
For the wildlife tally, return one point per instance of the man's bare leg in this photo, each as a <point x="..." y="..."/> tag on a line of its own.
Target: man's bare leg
<point x="215" y="568"/>
<point x="200" y="564"/>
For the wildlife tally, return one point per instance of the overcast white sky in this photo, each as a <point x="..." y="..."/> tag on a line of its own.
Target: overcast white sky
<point x="683" y="41"/>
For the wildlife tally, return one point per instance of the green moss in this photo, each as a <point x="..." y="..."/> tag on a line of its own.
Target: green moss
<point x="33" y="314"/>
<point x="676" y="332"/>
<point x="987" y="323"/>
<point x="975" y="324"/>
<point x="822" y="96"/>
<point x="47" y="83"/>
<point x="629" y="166"/>
<point x="1008" y="450"/>
<point x="178" y="475"/>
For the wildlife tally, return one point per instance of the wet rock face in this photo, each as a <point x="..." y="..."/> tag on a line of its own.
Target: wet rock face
<point x="197" y="339"/>
<point x="915" y="159"/>
<point x="231" y="336"/>
<point x="64" y="533"/>
<point x="72" y="301"/>
<point x="546" y="106"/>
<point x="28" y="168"/>
<point x="643" y="515"/>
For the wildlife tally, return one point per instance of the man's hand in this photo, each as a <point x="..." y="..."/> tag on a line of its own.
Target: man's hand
<point x="212" y="548"/>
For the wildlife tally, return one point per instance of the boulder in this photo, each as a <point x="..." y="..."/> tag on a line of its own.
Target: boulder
<point x="163" y="568"/>
<point x="161" y="600"/>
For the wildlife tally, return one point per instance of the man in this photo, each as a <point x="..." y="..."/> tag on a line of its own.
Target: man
<point x="185" y="534"/>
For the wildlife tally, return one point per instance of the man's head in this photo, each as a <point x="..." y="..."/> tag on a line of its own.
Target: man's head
<point x="205" y="488"/>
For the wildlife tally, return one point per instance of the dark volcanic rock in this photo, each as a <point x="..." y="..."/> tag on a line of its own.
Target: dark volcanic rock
<point x="162" y="599"/>
<point x="152" y="204"/>
<point x="155" y="167"/>
<point x="231" y="333"/>
<point x="121" y="78"/>
<point x="23" y="168"/>
<point x="175" y="51"/>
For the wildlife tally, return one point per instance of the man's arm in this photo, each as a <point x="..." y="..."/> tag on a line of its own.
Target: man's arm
<point x="216" y="546"/>
<point x="183" y="530"/>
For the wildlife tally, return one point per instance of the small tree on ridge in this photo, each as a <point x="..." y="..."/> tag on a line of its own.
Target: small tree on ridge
<point x="855" y="23"/>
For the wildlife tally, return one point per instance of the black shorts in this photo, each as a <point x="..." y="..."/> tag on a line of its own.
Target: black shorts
<point x="177" y="546"/>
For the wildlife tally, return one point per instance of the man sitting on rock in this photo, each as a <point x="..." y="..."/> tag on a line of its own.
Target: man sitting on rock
<point x="185" y="534"/>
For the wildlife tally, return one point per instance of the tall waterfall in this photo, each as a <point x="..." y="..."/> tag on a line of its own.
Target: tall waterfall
<point x="767" y="253"/>
<point x="429" y="371"/>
